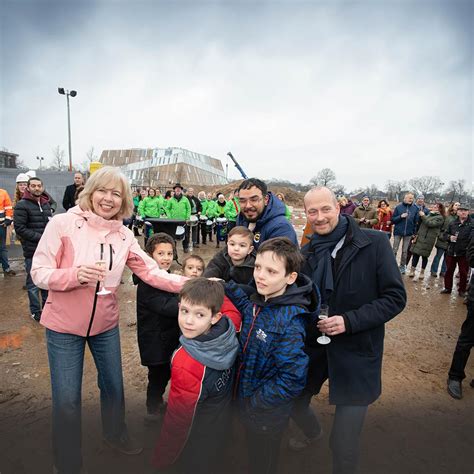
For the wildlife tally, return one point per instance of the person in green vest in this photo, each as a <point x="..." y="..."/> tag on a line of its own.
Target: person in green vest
<point x="151" y="206"/>
<point x="232" y="210"/>
<point x="221" y="202"/>
<point x="180" y="208"/>
<point x="281" y="197"/>
<point x="211" y="210"/>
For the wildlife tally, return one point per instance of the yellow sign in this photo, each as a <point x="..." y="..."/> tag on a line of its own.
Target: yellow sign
<point x="94" y="166"/>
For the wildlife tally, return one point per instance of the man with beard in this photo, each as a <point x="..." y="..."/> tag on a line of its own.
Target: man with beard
<point x="32" y="214"/>
<point x="263" y="213"/>
<point x="69" y="199"/>
<point x="359" y="281"/>
<point x="179" y="208"/>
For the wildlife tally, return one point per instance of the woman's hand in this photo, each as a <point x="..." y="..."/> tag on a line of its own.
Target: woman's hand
<point x="90" y="274"/>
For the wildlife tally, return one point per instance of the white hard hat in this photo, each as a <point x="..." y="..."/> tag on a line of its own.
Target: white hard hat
<point x="22" y="178"/>
<point x="31" y="174"/>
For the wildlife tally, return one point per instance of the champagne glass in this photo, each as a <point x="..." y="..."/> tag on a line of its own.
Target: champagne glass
<point x="323" y="314"/>
<point x="102" y="264"/>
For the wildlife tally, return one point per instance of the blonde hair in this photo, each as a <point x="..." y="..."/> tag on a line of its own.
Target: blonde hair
<point x="106" y="176"/>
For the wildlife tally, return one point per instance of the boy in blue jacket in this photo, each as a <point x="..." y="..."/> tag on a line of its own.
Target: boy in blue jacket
<point x="272" y="363"/>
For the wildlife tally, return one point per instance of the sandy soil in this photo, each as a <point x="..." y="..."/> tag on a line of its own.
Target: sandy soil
<point x="415" y="427"/>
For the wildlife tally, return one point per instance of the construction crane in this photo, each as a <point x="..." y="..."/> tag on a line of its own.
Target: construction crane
<point x="242" y="172"/>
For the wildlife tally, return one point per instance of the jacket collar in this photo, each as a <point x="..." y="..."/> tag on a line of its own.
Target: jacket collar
<point x="111" y="225"/>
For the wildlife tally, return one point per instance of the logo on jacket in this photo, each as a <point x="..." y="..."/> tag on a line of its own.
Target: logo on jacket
<point x="261" y="336"/>
<point x="256" y="237"/>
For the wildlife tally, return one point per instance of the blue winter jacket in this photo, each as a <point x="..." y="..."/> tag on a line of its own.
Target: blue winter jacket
<point x="272" y="363"/>
<point x="272" y="223"/>
<point x="408" y="225"/>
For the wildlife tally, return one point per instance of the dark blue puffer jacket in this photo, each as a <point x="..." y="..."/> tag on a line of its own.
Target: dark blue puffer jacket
<point x="272" y="223"/>
<point x="408" y="225"/>
<point x="272" y="363"/>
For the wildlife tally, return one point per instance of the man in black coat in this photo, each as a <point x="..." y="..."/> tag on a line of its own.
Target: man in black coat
<point x="359" y="280"/>
<point x="466" y="338"/>
<point x="70" y="192"/>
<point x="32" y="214"/>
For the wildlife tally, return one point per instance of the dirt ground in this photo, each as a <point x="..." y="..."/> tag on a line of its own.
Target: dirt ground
<point x="415" y="426"/>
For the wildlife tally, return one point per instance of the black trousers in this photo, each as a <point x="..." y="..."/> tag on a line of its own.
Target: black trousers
<point x="463" y="346"/>
<point x="158" y="378"/>
<point x="263" y="451"/>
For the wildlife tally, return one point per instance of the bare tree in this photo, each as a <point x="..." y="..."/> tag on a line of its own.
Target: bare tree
<point x="325" y="177"/>
<point x="91" y="155"/>
<point x="456" y="190"/>
<point x="395" y="188"/>
<point x="426" y="185"/>
<point x="58" y="159"/>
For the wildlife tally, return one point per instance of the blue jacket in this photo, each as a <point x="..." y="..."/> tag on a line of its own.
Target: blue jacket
<point x="408" y="225"/>
<point x="272" y="363"/>
<point x="272" y="223"/>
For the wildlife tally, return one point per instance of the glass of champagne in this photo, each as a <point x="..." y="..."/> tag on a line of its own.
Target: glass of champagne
<point x="323" y="314"/>
<point x="101" y="264"/>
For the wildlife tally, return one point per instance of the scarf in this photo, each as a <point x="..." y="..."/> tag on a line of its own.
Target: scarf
<point x="321" y="247"/>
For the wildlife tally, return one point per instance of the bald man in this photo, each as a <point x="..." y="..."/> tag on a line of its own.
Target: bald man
<point x="358" y="278"/>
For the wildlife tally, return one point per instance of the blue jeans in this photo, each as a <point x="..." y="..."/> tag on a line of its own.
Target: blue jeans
<point x="435" y="264"/>
<point x="3" y="249"/>
<point x="36" y="305"/>
<point x="66" y="361"/>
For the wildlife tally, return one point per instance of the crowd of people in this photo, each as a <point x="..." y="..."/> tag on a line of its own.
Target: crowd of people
<point x="243" y="334"/>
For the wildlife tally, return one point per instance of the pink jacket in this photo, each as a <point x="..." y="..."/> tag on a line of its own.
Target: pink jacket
<point x="74" y="239"/>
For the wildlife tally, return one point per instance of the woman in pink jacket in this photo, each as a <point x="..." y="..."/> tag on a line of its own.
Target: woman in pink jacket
<point x="80" y="253"/>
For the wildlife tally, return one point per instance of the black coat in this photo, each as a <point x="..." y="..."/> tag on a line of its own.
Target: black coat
<point x="221" y="266"/>
<point x="368" y="292"/>
<point x="30" y="219"/>
<point x="470" y="261"/>
<point x="157" y="323"/>
<point x="69" y="194"/>
<point x="464" y="231"/>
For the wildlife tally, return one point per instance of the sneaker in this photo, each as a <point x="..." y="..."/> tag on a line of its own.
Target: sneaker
<point x="296" y="444"/>
<point x="412" y="273"/>
<point x="9" y="272"/>
<point x="434" y="274"/>
<point x="403" y="269"/>
<point x="36" y="317"/>
<point x="445" y="291"/>
<point x="196" y="246"/>
<point x="124" y="445"/>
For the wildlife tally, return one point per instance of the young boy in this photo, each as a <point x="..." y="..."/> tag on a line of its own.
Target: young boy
<point x="157" y="327"/>
<point x="272" y="363"/>
<point x="193" y="266"/>
<point x="237" y="260"/>
<point x="197" y="419"/>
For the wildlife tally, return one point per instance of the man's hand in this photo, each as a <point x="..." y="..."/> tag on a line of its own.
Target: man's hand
<point x="332" y="326"/>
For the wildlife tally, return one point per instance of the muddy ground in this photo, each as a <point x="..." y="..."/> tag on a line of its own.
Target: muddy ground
<point x="415" y="427"/>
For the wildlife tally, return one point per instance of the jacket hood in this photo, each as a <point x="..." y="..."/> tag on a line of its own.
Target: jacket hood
<point x="217" y="349"/>
<point x="44" y="198"/>
<point x="94" y="220"/>
<point x="301" y="293"/>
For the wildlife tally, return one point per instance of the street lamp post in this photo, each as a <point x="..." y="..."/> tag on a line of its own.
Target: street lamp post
<point x="67" y="93"/>
<point x="40" y="159"/>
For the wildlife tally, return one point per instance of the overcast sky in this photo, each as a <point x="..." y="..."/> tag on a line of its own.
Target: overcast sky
<point x="374" y="90"/>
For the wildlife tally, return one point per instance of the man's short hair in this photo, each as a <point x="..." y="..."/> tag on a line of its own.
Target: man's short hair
<point x="159" y="238"/>
<point x="204" y="292"/>
<point x="286" y="250"/>
<point x="251" y="182"/>
<point x="34" y="178"/>
<point x="243" y="231"/>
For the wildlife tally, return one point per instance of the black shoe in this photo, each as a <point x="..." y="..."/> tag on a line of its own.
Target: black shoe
<point x="196" y="246"/>
<point x="472" y="383"/>
<point x="445" y="291"/>
<point x="36" y="316"/>
<point x="124" y="445"/>
<point x="455" y="388"/>
<point x="462" y="294"/>
<point x="186" y="250"/>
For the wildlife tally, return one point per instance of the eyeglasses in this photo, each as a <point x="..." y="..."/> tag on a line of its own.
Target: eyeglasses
<point x="252" y="200"/>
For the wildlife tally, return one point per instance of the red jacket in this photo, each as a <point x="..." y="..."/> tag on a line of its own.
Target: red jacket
<point x="383" y="224"/>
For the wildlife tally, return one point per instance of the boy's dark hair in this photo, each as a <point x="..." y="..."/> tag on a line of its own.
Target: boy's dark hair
<point x="201" y="291"/>
<point x="243" y="231"/>
<point x="251" y="182"/>
<point x="159" y="238"/>
<point x="193" y="256"/>
<point x="285" y="249"/>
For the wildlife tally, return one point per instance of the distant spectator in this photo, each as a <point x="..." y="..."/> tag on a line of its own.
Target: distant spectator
<point x="70" y="192"/>
<point x="405" y="219"/>
<point x="384" y="215"/>
<point x="346" y="206"/>
<point x="281" y="197"/>
<point x="232" y="210"/>
<point x="6" y="218"/>
<point x="365" y="214"/>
